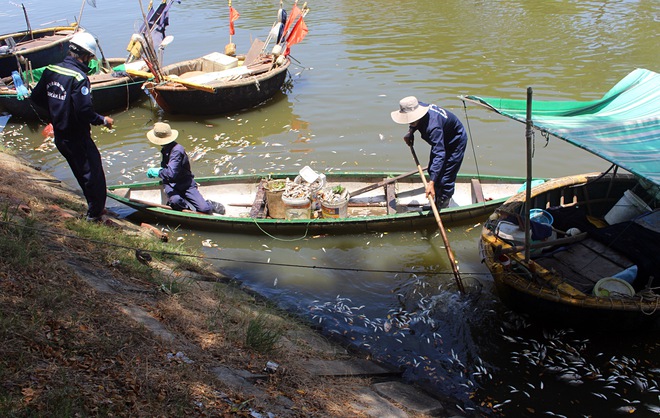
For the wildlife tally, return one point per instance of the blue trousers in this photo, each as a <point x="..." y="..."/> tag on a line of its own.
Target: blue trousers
<point x="444" y="188"/>
<point x="189" y="198"/>
<point x="85" y="162"/>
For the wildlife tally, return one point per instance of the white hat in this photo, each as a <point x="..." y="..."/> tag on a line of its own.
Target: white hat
<point x="162" y="134"/>
<point x="409" y="111"/>
<point x="85" y="41"/>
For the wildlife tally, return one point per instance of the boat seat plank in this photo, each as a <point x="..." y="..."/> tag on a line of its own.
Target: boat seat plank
<point x="124" y="192"/>
<point x="390" y="197"/>
<point x="585" y="263"/>
<point x="477" y="191"/>
<point x="258" y="209"/>
<point x="40" y="42"/>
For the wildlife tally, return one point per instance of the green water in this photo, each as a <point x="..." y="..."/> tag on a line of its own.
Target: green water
<point x="356" y="63"/>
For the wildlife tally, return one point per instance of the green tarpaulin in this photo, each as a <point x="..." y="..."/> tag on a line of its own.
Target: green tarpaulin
<point x="623" y="127"/>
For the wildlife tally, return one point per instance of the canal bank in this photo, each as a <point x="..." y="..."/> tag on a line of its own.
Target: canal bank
<point x="109" y="318"/>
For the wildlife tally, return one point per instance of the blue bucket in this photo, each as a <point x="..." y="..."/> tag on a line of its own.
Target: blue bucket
<point x="541" y="216"/>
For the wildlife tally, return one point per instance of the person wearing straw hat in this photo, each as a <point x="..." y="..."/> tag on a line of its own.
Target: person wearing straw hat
<point x="174" y="171"/>
<point x="64" y="90"/>
<point x="445" y="133"/>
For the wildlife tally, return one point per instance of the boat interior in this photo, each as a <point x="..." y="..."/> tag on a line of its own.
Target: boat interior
<point x="250" y="198"/>
<point x="600" y="233"/>
<point x="36" y="40"/>
<point x="216" y="69"/>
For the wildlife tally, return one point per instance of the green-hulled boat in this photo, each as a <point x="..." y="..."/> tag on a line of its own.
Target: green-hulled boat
<point x="381" y="201"/>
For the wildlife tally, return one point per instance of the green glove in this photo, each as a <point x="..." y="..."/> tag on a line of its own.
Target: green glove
<point x="152" y="173"/>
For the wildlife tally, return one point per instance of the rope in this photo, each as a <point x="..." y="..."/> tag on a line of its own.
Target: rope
<point x="649" y="295"/>
<point x="282" y="239"/>
<point x="474" y="153"/>
<point x="177" y="254"/>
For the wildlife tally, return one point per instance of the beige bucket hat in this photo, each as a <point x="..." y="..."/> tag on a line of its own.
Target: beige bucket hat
<point x="409" y="111"/>
<point x="162" y="134"/>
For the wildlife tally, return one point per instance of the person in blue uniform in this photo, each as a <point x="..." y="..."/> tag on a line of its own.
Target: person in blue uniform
<point x="64" y="90"/>
<point x="445" y="133"/>
<point x="176" y="175"/>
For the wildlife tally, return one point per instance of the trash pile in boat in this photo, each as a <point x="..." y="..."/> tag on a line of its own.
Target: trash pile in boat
<point x="306" y="197"/>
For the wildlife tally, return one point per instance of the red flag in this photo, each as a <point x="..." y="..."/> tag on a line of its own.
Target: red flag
<point x="295" y="12"/>
<point x="233" y="16"/>
<point x="298" y="33"/>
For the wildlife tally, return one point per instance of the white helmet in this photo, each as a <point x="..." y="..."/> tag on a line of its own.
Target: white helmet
<point x="85" y="41"/>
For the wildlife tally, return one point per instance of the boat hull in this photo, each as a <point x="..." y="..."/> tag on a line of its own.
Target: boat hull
<point x="109" y="94"/>
<point x="48" y="46"/>
<point x="366" y="213"/>
<point x="228" y="97"/>
<point x="554" y="288"/>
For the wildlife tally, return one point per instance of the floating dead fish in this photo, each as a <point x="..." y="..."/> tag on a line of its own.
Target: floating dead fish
<point x="653" y="408"/>
<point x="627" y="409"/>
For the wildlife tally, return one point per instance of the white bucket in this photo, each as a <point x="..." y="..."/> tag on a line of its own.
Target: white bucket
<point x="611" y="287"/>
<point x="628" y="207"/>
<point x="298" y="208"/>
<point x="334" y="209"/>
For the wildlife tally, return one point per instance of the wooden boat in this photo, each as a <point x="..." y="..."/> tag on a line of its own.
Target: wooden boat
<point x="593" y="262"/>
<point x="378" y="202"/>
<point x="216" y="83"/>
<point x="40" y="47"/>
<point x="111" y="91"/>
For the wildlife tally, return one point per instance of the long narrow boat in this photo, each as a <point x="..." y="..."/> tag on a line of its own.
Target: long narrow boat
<point x="111" y="91"/>
<point x="378" y="202"/>
<point x="41" y="47"/>
<point x="593" y="260"/>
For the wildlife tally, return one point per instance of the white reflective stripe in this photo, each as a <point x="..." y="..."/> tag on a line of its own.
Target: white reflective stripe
<point x="439" y="110"/>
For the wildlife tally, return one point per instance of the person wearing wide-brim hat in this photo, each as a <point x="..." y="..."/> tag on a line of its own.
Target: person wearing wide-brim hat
<point x="178" y="180"/>
<point x="445" y="133"/>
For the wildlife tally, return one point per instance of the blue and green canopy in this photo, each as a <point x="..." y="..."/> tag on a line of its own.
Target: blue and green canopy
<point x="623" y="127"/>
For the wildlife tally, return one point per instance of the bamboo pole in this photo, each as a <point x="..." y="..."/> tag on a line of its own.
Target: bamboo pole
<point x="457" y="276"/>
<point x="528" y="190"/>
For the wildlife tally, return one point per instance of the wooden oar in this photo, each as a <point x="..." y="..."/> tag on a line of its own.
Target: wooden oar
<point x="381" y="183"/>
<point x="454" y="268"/>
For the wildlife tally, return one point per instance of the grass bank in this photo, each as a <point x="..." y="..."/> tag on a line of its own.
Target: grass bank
<point x="101" y="320"/>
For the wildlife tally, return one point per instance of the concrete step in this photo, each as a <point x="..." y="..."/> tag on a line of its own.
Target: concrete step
<point x="343" y="368"/>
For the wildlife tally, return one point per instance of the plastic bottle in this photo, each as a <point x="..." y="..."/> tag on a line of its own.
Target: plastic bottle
<point x="21" y="91"/>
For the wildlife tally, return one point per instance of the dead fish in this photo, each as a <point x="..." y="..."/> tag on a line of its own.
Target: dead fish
<point x="626" y="409"/>
<point x="652" y="408"/>
<point x="569" y="376"/>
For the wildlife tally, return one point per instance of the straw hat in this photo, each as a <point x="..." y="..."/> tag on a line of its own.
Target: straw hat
<point x="162" y="134"/>
<point x="409" y="111"/>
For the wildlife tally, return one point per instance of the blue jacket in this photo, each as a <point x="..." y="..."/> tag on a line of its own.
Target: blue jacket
<point x="64" y="89"/>
<point x="445" y="133"/>
<point x="176" y="172"/>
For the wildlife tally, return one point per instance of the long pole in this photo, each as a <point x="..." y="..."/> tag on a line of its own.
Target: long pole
<point x="82" y="7"/>
<point x="457" y="276"/>
<point x="528" y="188"/>
<point x="27" y="21"/>
<point x="149" y="49"/>
<point x="382" y="183"/>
